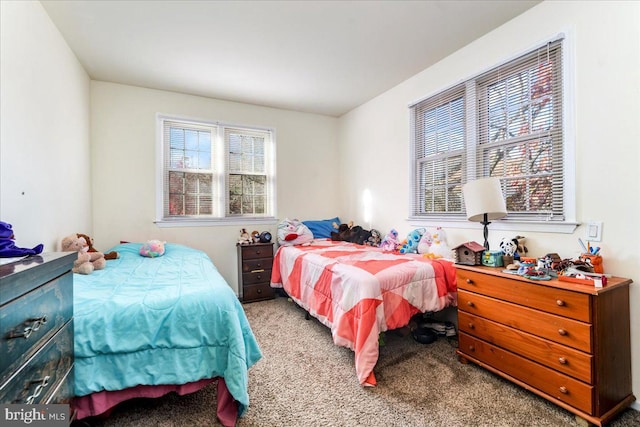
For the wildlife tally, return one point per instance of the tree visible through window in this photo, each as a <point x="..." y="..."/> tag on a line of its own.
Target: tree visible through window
<point x="506" y="123"/>
<point x="216" y="171"/>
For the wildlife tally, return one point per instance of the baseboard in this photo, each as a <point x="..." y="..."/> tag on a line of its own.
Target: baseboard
<point x="635" y="405"/>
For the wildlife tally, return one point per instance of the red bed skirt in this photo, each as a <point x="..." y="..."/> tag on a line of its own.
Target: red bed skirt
<point x="102" y="402"/>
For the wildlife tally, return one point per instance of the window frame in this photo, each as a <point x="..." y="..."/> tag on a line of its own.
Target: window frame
<point x="220" y="170"/>
<point x="513" y="223"/>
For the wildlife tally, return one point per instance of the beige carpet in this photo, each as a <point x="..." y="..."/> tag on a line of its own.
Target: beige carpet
<point x="305" y="380"/>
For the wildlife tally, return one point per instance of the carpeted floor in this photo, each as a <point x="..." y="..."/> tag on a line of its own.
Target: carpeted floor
<point x="305" y="380"/>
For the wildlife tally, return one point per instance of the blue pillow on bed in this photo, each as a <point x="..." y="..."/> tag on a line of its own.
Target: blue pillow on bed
<point x="322" y="229"/>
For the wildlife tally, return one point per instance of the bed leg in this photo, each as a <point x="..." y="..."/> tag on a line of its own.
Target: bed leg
<point x="306" y="315"/>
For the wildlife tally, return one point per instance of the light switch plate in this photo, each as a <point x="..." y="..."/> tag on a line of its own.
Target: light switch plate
<point x="593" y="232"/>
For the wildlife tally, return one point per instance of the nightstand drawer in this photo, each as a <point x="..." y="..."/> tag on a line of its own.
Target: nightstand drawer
<point x="258" y="292"/>
<point x="261" y="264"/>
<point x="256" y="277"/>
<point x="257" y="251"/>
<point x="38" y="379"/>
<point x="552" y="300"/>
<point x="555" y="356"/>
<point x="555" y="328"/>
<point x="28" y="321"/>
<point x="554" y="384"/>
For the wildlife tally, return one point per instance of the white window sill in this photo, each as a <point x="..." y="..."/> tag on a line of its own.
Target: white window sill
<point x="213" y="222"/>
<point x="502" y="224"/>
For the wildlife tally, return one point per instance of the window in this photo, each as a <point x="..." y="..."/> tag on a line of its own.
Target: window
<point x="506" y="123"/>
<point x="215" y="172"/>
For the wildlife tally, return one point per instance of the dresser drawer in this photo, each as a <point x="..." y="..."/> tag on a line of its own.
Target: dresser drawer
<point x="37" y="380"/>
<point x="555" y="328"/>
<point x="256" y="277"/>
<point x="258" y="292"/>
<point x="554" y="384"/>
<point x="30" y="320"/>
<point x="262" y="264"/>
<point x="555" y="356"/>
<point x="257" y="251"/>
<point x="552" y="300"/>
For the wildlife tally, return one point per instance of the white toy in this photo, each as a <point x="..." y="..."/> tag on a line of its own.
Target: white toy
<point x="439" y="248"/>
<point x="425" y="243"/>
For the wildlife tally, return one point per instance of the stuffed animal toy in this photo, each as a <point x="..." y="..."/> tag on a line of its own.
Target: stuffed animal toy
<point x="413" y="238"/>
<point x="343" y="233"/>
<point x="293" y="232"/>
<point x="89" y="240"/>
<point x="374" y="239"/>
<point x="439" y="248"/>
<point x="255" y="236"/>
<point x="152" y="249"/>
<point x="390" y="241"/>
<point x="8" y="248"/>
<point x="244" y="238"/>
<point x="87" y="261"/>
<point x="508" y="246"/>
<point x="522" y="249"/>
<point x="425" y="243"/>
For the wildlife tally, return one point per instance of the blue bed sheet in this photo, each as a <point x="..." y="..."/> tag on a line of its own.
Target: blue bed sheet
<point x="166" y="320"/>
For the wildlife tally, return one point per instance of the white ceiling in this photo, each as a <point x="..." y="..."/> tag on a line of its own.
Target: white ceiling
<point x="323" y="57"/>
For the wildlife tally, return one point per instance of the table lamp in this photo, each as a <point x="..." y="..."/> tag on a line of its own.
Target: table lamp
<point x="484" y="202"/>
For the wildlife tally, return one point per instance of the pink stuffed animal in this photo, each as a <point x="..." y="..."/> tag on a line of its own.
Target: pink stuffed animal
<point x="390" y="241"/>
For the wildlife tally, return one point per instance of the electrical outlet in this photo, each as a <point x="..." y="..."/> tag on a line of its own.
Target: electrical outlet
<point x="593" y="232"/>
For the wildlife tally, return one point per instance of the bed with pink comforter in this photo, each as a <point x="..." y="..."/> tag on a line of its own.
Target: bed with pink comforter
<point x="360" y="291"/>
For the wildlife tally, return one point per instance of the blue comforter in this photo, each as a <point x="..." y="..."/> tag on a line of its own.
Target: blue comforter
<point x="166" y="320"/>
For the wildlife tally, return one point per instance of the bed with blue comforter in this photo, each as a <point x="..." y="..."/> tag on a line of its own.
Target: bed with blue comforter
<point x="165" y="321"/>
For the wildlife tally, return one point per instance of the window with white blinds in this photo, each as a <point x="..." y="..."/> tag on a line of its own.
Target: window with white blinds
<point x="506" y="123"/>
<point x="214" y="171"/>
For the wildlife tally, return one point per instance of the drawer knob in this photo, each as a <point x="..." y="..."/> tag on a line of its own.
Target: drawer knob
<point x="562" y="360"/>
<point x="471" y="326"/>
<point x="560" y="303"/>
<point x="470" y="303"/>
<point x="259" y="277"/>
<point x="562" y="332"/>
<point x="259" y="291"/>
<point x="472" y="348"/>
<point x="257" y="252"/>
<point x="469" y="281"/>
<point x="564" y="390"/>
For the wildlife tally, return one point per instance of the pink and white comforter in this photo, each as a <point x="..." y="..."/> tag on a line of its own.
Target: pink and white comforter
<point x="360" y="291"/>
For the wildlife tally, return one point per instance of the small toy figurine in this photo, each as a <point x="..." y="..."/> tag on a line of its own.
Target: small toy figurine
<point x="244" y="238"/>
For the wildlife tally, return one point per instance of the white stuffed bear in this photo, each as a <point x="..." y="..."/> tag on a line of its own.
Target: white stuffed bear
<point x="425" y="243"/>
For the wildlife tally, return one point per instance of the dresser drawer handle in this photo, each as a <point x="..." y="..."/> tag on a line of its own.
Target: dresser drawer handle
<point x="471" y="326"/>
<point x="472" y="348"/>
<point x="469" y="281"/>
<point x="257" y="271"/>
<point x="470" y="303"/>
<point x="257" y="252"/>
<point x="562" y="332"/>
<point x="564" y="390"/>
<point x="560" y="303"/>
<point x="258" y="277"/>
<point x="36" y="323"/>
<point x="42" y="384"/>
<point x="259" y="291"/>
<point x="562" y="360"/>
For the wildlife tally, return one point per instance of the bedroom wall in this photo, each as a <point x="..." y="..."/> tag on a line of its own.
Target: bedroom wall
<point x="44" y="130"/>
<point x="606" y="36"/>
<point x="123" y="137"/>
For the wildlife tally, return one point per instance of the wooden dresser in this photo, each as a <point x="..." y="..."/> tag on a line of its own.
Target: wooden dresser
<point x="36" y="324"/>
<point x="254" y="271"/>
<point x="568" y="343"/>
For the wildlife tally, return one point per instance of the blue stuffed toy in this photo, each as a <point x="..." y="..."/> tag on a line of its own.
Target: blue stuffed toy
<point x="413" y="239"/>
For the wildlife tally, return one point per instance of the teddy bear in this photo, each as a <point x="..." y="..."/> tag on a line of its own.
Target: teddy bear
<point x="87" y="261"/>
<point x="89" y="240"/>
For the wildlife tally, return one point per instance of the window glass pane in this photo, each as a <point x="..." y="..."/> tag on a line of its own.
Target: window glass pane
<point x="191" y="159"/>
<point x="176" y="138"/>
<point x="176" y="204"/>
<point x="204" y="160"/>
<point x="235" y="205"/>
<point x="191" y="139"/>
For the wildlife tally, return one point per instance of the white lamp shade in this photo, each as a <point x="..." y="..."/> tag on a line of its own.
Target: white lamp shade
<point x="484" y="196"/>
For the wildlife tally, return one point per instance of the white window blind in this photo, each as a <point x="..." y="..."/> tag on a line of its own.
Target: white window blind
<point x="213" y="171"/>
<point x="505" y="123"/>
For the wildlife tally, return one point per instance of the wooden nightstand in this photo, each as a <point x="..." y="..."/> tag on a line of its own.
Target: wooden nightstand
<point x="566" y="342"/>
<point x="254" y="271"/>
<point x="36" y="318"/>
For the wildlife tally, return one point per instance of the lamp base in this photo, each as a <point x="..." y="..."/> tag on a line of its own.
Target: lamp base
<point x="486" y="231"/>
